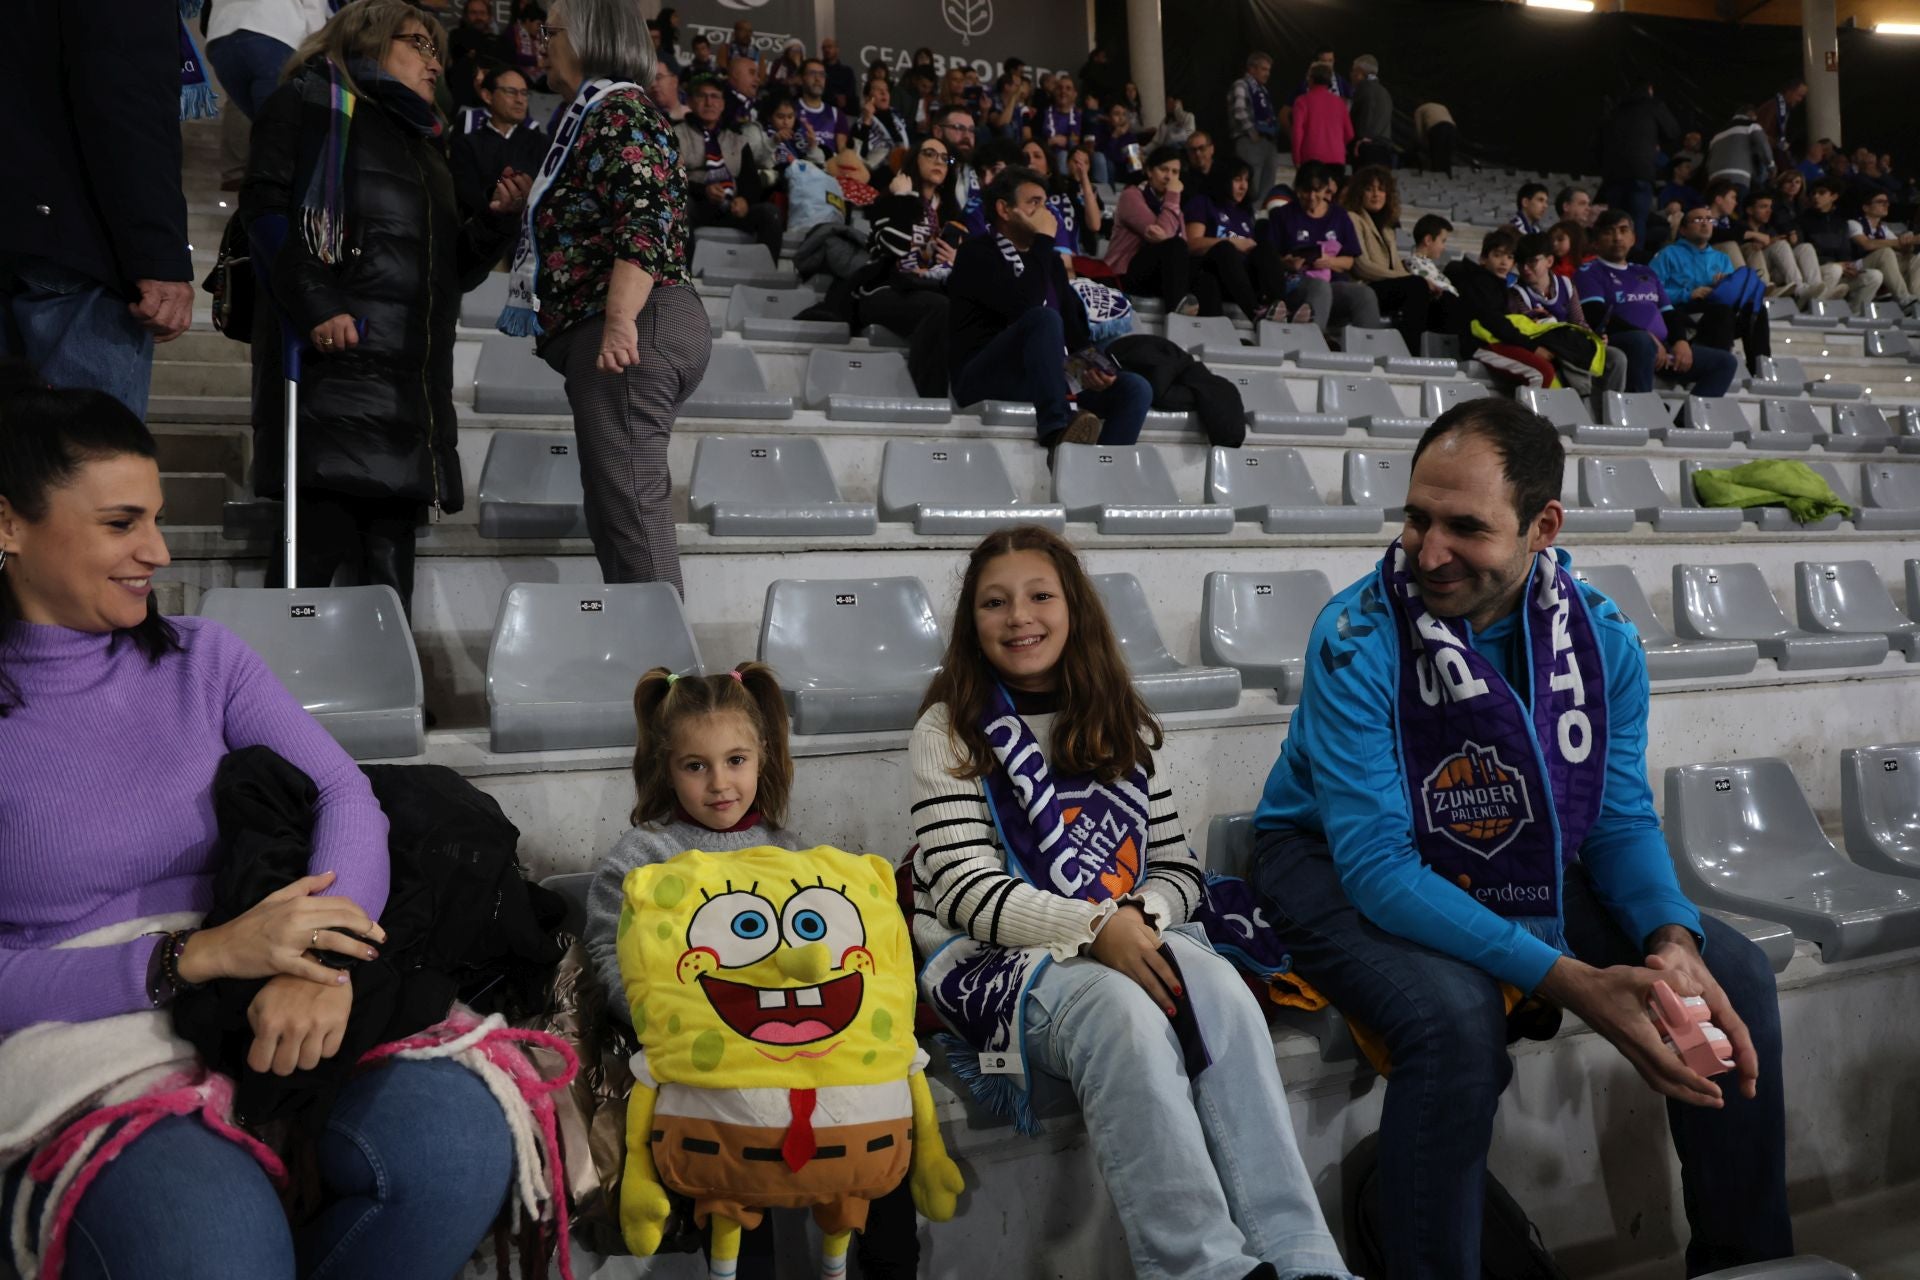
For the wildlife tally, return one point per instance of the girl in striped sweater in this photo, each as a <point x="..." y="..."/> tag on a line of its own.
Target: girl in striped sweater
<point x="1053" y="885"/>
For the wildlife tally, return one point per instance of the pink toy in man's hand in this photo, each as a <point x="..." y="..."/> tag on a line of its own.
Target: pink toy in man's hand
<point x="1687" y="1027"/>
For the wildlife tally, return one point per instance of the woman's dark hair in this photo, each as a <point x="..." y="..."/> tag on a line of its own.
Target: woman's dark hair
<point x="1220" y="185"/>
<point x="1103" y="728"/>
<point x="663" y="23"/>
<point x="1163" y="155"/>
<point x="1576" y="239"/>
<point x="1313" y="175"/>
<point x="46" y="437"/>
<point x="662" y="701"/>
<point x="1535" y="244"/>
<point x="920" y="53"/>
<point x="1354" y="198"/>
<point x="945" y="189"/>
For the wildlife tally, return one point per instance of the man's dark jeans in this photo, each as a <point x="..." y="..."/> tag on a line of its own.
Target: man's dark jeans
<point x="1026" y="362"/>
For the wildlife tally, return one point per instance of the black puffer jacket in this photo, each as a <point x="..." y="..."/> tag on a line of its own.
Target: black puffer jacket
<point x="376" y="420"/>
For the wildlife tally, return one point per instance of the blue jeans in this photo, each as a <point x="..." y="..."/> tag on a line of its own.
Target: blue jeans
<point x="1205" y="1173"/>
<point x="1026" y="362"/>
<point x="1445" y="1029"/>
<point x="249" y="66"/>
<point x="74" y="330"/>
<point x="415" y="1156"/>
<point x="1712" y="373"/>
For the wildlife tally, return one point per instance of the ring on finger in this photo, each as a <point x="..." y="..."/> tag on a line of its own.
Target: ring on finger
<point x="315" y="941"/>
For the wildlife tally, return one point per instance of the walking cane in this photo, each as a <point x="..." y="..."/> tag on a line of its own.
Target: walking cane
<point x="268" y="233"/>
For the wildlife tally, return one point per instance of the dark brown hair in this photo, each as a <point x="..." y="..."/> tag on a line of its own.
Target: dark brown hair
<point x="1103" y="728"/>
<point x="1365" y="178"/>
<point x="662" y="701"/>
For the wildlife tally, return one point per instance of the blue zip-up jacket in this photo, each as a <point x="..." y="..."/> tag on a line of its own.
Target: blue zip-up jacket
<point x="1684" y="267"/>
<point x="1339" y="774"/>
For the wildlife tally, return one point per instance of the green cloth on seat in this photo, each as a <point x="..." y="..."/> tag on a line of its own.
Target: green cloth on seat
<point x="1774" y="482"/>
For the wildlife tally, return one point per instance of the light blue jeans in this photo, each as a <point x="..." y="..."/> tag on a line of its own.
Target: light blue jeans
<point x="1205" y="1173"/>
<point x="74" y="330"/>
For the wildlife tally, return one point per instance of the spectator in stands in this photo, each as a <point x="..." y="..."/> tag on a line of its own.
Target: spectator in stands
<point x="475" y="49"/>
<point x="955" y="127"/>
<point x="1072" y="198"/>
<point x="1337" y="84"/>
<point x="701" y="60"/>
<point x="789" y="138"/>
<point x="880" y="131"/>
<point x="1014" y="319"/>
<point x="1148" y="249"/>
<point x="1364" y="893"/>
<point x="783" y="75"/>
<point x="916" y="234"/>
<point x="1484" y="313"/>
<point x="529" y="50"/>
<point x="1013" y="93"/>
<point x="843" y="85"/>
<point x="507" y="140"/>
<point x="249" y="43"/>
<point x="1316" y="237"/>
<point x="377" y="424"/>
<point x="742" y="92"/>
<point x="1773" y="117"/>
<point x="1100" y="76"/>
<point x="1814" y="167"/>
<point x="1541" y="298"/>
<point x="1725" y="300"/>
<point x="1224" y="1192"/>
<point x="1693" y="148"/>
<point x="1574" y="204"/>
<point x="1790" y="191"/>
<point x="1372" y="114"/>
<point x="1061" y="125"/>
<point x="1436" y="133"/>
<point x="1626" y="303"/>
<point x="1129" y="97"/>
<point x="1827" y="228"/>
<point x="727" y="166"/>
<point x="1679" y="194"/>
<point x="828" y="123"/>
<point x="989" y="161"/>
<point x="1246" y="271"/>
<point x="1198" y="160"/>
<point x="1723" y="202"/>
<point x="1116" y="153"/>
<point x="1891" y="255"/>
<point x="98" y="691"/>
<point x="94" y="264"/>
<point x="1430" y="234"/>
<point x="1530" y="209"/>
<point x="665" y="94"/>
<point x="1567" y="241"/>
<point x="668" y="24"/>
<point x="1542" y="287"/>
<point x="1256" y="122"/>
<point x="1740" y="154"/>
<point x="1372" y="201"/>
<point x="741" y="46"/>
<point x="1322" y="129"/>
<point x="1631" y="139"/>
<point x="608" y="249"/>
<point x="1771" y="243"/>
<point x="1176" y="129"/>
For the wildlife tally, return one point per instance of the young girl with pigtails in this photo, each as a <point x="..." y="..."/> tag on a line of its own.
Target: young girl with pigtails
<point x="711" y="771"/>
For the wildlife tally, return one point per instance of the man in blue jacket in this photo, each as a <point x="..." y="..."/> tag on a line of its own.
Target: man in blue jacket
<point x="1460" y="820"/>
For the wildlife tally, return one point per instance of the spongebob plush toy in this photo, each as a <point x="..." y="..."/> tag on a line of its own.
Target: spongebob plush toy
<point x="773" y="995"/>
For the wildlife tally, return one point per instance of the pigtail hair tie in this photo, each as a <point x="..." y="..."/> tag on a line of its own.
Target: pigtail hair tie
<point x="737" y="676"/>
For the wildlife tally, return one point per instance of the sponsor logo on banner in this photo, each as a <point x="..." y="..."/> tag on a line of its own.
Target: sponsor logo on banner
<point x="1476" y="800"/>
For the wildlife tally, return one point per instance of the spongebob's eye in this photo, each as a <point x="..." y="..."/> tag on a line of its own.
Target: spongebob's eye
<point x="738" y="927"/>
<point x="823" y="915"/>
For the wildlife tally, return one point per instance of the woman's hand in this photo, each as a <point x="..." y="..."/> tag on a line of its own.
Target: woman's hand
<point x="337" y="334"/>
<point x="944" y="253"/>
<point x="1128" y="944"/>
<point x="297" y="1023"/>
<point x="274" y="936"/>
<point x="619" y="345"/>
<point x="1156" y="233"/>
<point x="902" y="184"/>
<point x="1245" y="244"/>
<point x="738" y="206"/>
<point x="510" y="193"/>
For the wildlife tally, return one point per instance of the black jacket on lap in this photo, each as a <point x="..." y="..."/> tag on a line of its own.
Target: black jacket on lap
<point x="1182" y="384"/>
<point x="376" y="420"/>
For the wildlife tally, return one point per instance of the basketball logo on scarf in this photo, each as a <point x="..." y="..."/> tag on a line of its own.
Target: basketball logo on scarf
<point x="1475" y="800"/>
<point x="1092" y="842"/>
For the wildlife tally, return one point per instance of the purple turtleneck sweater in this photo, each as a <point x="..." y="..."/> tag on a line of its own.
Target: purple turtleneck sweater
<point x="106" y="803"/>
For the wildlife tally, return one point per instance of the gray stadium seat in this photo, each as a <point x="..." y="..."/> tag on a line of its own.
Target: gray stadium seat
<point x="1166" y="683"/>
<point x="1806" y="1266"/>
<point x="878" y="335"/>
<point x="1889" y="496"/>
<point x="768" y="315"/>
<point x="572" y="886"/>
<point x="1847" y="598"/>
<point x="869" y="386"/>
<point x="1308" y="347"/>
<point x="1913" y="589"/>
<point x="565" y="658"/>
<point x="1230" y="844"/>
<point x="481" y="307"/>
<point x="1271" y="410"/>
<point x="1710" y="422"/>
<point x="715" y="263"/>
<point x="1570" y="416"/>
<point x="854" y="654"/>
<point x="774" y="486"/>
<point x="1788" y="371"/>
<point x="1860" y="428"/>
<point x="1438" y="397"/>
<point x="1377" y="479"/>
<point x="955" y="487"/>
<point x="1215" y="340"/>
<point x="1774" y="939"/>
<point x="1732" y="602"/>
<point x="1369" y="403"/>
<point x="1444" y="345"/>
<point x="1642" y="409"/>
<point x="1259" y="623"/>
<point x="511" y="379"/>
<point x="1126" y="489"/>
<point x="1788" y="425"/>
<point x="345" y="653"/>
<point x="1668" y="656"/>
<point x="1817" y="315"/>
<point x="1880" y="807"/>
<point x="1273" y="487"/>
<point x="1629" y="483"/>
<point x="1782" y="310"/>
<point x="721" y="235"/>
<point x="734" y="387"/>
<point x="530" y="486"/>
<point x="1744" y="839"/>
<point x="1769" y="519"/>
<point x="1889" y="344"/>
<point x="1389" y="350"/>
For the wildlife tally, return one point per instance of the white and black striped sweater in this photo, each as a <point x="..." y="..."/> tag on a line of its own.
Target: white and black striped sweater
<point x="960" y="878"/>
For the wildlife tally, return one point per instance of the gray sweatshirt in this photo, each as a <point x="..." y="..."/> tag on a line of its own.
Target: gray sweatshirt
<point x="643" y="846"/>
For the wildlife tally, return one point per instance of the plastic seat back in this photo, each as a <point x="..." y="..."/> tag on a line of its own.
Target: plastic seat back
<point x="530" y="486"/>
<point x="1562" y="406"/>
<point x="1641" y="409"/>
<point x="1788" y="369"/>
<point x="758" y="471"/>
<point x="1230" y="844"/>
<point x="712" y="256"/>
<point x="1133" y="624"/>
<point x="566" y="656"/>
<point x="1263" y="392"/>
<point x="873" y="374"/>
<point x="1355" y="397"/>
<point x="1192" y="332"/>
<point x="1618" y="583"/>
<point x="1252" y="479"/>
<point x="1846" y="597"/>
<point x="1715" y="413"/>
<point x="746" y="302"/>
<point x="1796" y="417"/>
<point x="1862" y="422"/>
<point x="1091" y="476"/>
<point x="1836" y="481"/>
<point x="1727" y="602"/>
<point x="1259" y="624"/>
<point x="1891" y="484"/>
<point x="1891" y="343"/>
<point x="1438" y="397"/>
<point x="735" y="387"/>
<point x="573" y="887"/>
<point x="1880" y="806"/>
<point x="1373" y="478"/>
<point x="346" y="653"/>
<point x="1378" y="343"/>
<point x="1627" y="483"/>
<point x="853" y="654"/>
<point x="948" y="473"/>
<point x="511" y="379"/>
<point x="1293" y="338"/>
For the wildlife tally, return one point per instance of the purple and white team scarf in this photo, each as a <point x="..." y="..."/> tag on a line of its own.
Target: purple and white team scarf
<point x="1504" y="787"/>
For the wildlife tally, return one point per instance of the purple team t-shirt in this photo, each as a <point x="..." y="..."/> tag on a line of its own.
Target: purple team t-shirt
<point x="827" y="123"/>
<point x="1290" y="230"/>
<point x="1220" y="220"/>
<point x="1631" y="293"/>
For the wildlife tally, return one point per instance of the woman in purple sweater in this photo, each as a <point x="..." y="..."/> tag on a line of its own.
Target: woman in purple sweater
<point x="112" y="722"/>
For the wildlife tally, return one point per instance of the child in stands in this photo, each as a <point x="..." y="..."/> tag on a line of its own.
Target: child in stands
<point x="1052" y="875"/>
<point x="711" y="771"/>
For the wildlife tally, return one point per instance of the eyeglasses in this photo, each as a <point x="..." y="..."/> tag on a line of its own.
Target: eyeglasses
<point x="512" y="93"/>
<point x="547" y="33"/>
<point x="959" y="128"/>
<point x="933" y="153"/>
<point x="1700" y="219"/>
<point x="423" y="45"/>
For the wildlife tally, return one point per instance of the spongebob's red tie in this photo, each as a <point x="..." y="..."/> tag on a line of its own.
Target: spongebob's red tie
<point x="799" y="1146"/>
